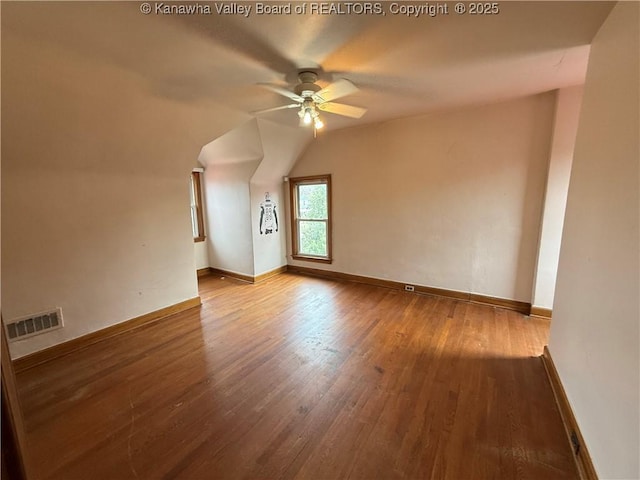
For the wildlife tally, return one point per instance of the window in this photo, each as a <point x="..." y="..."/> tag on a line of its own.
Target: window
<point x="197" y="222"/>
<point x="311" y="218"/>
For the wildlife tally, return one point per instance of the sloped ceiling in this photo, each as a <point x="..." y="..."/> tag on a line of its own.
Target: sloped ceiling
<point x="275" y="146"/>
<point x="403" y="65"/>
<point x="279" y="156"/>
<point x="242" y="144"/>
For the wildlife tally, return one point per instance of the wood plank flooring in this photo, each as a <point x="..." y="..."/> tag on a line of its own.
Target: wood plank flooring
<point x="300" y="377"/>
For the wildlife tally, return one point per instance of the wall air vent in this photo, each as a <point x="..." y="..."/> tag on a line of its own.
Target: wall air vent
<point x="34" y="324"/>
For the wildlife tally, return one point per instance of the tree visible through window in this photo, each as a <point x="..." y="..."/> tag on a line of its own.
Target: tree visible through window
<point x="311" y="201"/>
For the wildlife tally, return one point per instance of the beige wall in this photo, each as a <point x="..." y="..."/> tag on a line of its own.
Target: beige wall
<point x="201" y="254"/>
<point x="269" y="249"/>
<point x="242" y="166"/>
<point x="233" y="220"/>
<point x="281" y="148"/>
<point x="451" y="200"/>
<point x="229" y="216"/>
<point x="95" y="199"/>
<point x="555" y="198"/>
<point x="595" y="334"/>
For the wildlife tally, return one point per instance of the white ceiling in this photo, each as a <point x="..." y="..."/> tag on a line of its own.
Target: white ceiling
<point x="403" y="66"/>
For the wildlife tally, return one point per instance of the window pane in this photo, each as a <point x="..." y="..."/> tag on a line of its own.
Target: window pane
<point x="194" y="221"/>
<point x="313" y="238"/>
<point x="192" y="192"/>
<point x="197" y="222"/>
<point x="312" y="201"/>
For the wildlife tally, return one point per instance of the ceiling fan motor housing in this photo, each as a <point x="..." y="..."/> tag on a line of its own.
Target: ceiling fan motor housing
<point x="307" y="85"/>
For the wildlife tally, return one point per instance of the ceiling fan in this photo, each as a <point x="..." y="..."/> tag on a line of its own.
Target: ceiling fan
<point x="311" y="99"/>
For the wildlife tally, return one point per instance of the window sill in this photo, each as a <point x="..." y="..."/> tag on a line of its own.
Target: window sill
<point x="306" y="258"/>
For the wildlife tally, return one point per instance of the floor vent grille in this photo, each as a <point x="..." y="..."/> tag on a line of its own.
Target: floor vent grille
<point x="34" y="324"/>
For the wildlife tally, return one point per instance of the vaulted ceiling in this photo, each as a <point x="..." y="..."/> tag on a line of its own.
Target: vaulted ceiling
<point x="403" y="65"/>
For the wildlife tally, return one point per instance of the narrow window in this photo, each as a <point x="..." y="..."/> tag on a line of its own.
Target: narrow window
<point x="311" y="218"/>
<point x="197" y="221"/>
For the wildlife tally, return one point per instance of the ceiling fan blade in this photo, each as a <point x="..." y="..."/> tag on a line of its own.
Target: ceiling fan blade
<point x="282" y="91"/>
<point x="283" y="107"/>
<point x="342" y="109"/>
<point x="337" y="89"/>
<point x="243" y="40"/>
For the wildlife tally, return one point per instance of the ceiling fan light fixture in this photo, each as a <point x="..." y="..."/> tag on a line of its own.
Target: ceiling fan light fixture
<point x="307" y="116"/>
<point x="310" y="99"/>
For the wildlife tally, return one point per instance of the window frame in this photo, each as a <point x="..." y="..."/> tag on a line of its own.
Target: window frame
<point x="196" y="192"/>
<point x="293" y="202"/>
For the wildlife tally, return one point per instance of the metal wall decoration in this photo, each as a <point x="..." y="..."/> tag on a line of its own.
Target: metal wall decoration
<point x="268" y="216"/>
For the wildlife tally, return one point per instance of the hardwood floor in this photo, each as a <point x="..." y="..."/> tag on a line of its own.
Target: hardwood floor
<point x="299" y="377"/>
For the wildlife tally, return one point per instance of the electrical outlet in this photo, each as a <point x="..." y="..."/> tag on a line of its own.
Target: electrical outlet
<point x="409" y="288"/>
